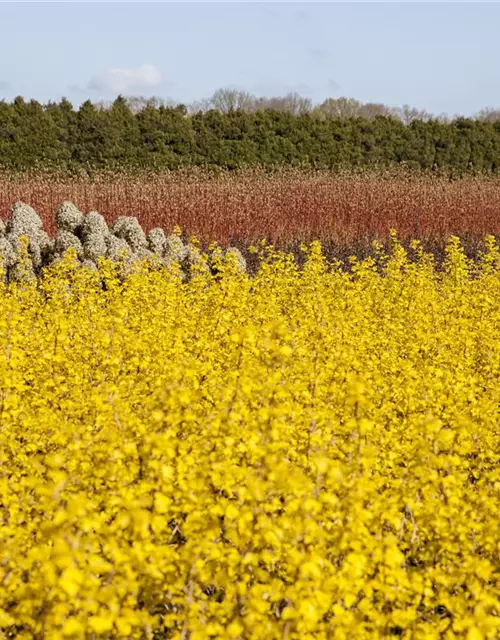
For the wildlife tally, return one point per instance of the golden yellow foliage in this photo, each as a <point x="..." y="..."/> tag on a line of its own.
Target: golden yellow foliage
<point x="305" y="454"/>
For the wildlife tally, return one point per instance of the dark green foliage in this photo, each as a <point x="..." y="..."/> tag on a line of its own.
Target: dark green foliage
<point x="160" y="137"/>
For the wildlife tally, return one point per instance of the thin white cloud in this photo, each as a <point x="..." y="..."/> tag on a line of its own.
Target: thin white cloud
<point x="127" y="80"/>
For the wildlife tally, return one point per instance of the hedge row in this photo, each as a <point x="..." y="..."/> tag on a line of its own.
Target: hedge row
<point x="58" y="136"/>
<point x="89" y="235"/>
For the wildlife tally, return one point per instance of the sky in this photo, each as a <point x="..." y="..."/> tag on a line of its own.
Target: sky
<point x="440" y="56"/>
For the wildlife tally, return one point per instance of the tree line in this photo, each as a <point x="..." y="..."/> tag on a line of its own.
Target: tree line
<point x="154" y="135"/>
<point x="225" y="100"/>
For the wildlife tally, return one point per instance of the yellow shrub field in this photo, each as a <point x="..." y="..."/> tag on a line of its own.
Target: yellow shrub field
<point x="302" y="454"/>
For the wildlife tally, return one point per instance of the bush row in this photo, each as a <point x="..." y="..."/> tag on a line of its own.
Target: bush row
<point x="91" y="237"/>
<point x="58" y="136"/>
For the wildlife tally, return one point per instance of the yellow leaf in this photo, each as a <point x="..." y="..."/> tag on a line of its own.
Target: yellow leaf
<point x="474" y="634"/>
<point x="393" y="557"/>
<point x="73" y="628"/>
<point x="162" y="503"/>
<point x="231" y="512"/>
<point x="100" y="624"/>
<point x="71" y="581"/>
<point x="235" y="629"/>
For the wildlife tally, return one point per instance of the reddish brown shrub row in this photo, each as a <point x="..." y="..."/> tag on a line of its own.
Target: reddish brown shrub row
<point x="342" y="209"/>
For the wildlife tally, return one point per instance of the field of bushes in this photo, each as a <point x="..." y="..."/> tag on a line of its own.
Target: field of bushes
<point x="302" y="453"/>
<point x="249" y="404"/>
<point x="345" y="210"/>
<point x="26" y="249"/>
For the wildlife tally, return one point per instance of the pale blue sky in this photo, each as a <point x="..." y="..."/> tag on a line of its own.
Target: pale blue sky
<point x="443" y="57"/>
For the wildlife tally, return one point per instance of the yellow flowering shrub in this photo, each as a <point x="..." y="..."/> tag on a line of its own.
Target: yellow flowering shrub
<point x="302" y="454"/>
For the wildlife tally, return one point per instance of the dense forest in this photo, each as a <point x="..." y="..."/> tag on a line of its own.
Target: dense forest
<point x="59" y="136"/>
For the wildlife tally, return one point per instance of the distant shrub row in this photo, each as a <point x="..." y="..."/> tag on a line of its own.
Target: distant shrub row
<point x="61" y="137"/>
<point x="91" y="238"/>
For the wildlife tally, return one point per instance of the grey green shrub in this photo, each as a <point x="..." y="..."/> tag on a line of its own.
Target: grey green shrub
<point x="8" y="256"/>
<point x="66" y="240"/>
<point x="94" y="223"/>
<point x="94" y="246"/>
<point x="91" y="238"/>
<point x="115" y="246"/>
<point x="69" y="218"/>
<point x="128" y="228"/>
<point x="175" y="248"/>
<point x="157" y="241"/>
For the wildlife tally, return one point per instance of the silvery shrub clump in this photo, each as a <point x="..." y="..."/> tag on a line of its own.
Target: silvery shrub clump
<point x="8" y="257"/>
<point x="94" y="246"/>
<point x="89" y="264"/>
<point x="66" y="240"/>
<point x="143" y="253"/>
<point x="193" y="261"/>
<point x="157" y="241"/>
<point x="128" y="228"/>
<point x="90" y="236"/>
<point x="115" y="246"/>
<point x="22" y="267"/>
<point x="34" y="249"/>
<point x="94" y="231"/>
<point x="24" y="221"/>
<point x="175" y="248"/>
<point x="69" y="218"/>
<point x="15" y="243"/>
<point x="93" y="223"/>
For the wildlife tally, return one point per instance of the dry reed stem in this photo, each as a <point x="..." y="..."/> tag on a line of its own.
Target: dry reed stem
<point x="283" y="207"/>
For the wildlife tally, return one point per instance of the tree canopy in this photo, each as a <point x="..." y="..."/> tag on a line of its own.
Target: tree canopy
<point x="154" y="134"/>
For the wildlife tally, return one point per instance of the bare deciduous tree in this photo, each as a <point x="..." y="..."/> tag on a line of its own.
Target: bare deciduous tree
<point x="139" y="103"/>
<point x="225" y="100"/>
<point x="443" y="118"/>
<point x="338" y="108"/>
<point x="408" y="114"/>
<point x="350" y="108"/>
<point x="488" y="114"/>
<point x="292" y="103"/>
<point x="371" y="110"/>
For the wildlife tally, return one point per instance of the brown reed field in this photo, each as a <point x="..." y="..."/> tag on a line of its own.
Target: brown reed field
<point x="345" y="210"/>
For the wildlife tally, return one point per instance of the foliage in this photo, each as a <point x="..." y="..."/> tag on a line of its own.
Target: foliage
<point x="339" y="133"/>
<point x="27" y="244"/>
<point x="305" y="454"/>
<point x="345" y="210"/>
